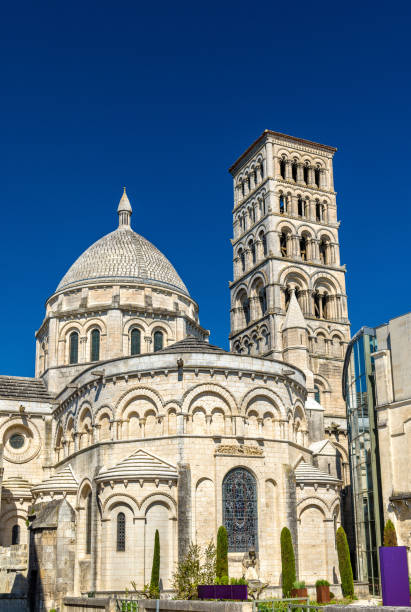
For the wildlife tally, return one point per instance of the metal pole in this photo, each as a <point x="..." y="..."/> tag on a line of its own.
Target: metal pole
<point x="157" y="605"/>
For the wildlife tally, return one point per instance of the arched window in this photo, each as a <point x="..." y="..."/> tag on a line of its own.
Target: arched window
<point x="121" y="532"/>
<point x="242" y="259"/>
<point x="15" y="535"/>
<point x="246" y="310"/>
<point x="282" y="168"/>
<point x="158" y="340"/>
<point x="262" y="296"/>
<point x="294" y="171"/>
<point x="263" y="239"/>
<point x="251" y="246"/>
<point x="240" y="510"/>
<point x="317" y="176"/>
<point x="88" y="523"/>
<point x="317" y="395"/>
<point x="300" y="206"/>
<point x="282" y="204"/>
<point x="283" y="244"/>
<point x="303" y="248"/>
<point x="323" y="252"/>
<point x="305" y="168"/>
<point x="255" y="177"/>
<point x="262" y="170"/>
<point x="135" y="342"/>
<point x="95" y="345"/>
<point x="73" y="347"/>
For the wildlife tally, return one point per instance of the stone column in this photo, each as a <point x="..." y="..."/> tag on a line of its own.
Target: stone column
<point x="300" y="174"/>
<point x="323" y="182"/>
<point x="311" y="179"/>
<point x="289" y="245"/>
<point x="142" y="421"/>
<point x="288" y="173"/>
<point x="184" y="509"/>
<point x="269" y="159"/>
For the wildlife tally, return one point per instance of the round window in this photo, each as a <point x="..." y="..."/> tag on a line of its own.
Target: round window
<point x="16" y="440"/>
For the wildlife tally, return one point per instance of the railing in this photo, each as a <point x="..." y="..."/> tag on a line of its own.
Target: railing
<point x="285" y="605"/>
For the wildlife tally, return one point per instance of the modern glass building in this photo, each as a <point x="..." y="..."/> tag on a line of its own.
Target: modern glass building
<point x="359" y="394"/>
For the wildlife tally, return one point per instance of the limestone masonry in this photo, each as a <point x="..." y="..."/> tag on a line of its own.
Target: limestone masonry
<point x="134" y="422"/>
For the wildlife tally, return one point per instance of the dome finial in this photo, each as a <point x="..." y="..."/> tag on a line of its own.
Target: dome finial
<point x="124" y="211"/>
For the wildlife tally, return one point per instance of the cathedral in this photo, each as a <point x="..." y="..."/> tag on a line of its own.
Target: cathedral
<point x="134" y="422"/>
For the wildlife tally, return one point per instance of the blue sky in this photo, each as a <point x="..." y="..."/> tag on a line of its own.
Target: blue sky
<point x="162" y="97"/>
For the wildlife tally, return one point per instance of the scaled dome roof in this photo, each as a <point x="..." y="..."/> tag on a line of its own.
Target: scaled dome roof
<point x="124" y="256"/>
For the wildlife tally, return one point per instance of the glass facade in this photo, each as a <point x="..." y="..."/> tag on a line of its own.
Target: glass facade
<point x="358" y="389"/>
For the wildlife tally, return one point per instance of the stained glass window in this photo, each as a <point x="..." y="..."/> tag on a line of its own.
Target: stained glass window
<point x="121" y="532"/>
<point x="135" y="341"/>
<point x="240" y="510"/>
<point x="74" y="347"/>
<point x="15" y="535"/>
<point x="95" y="345"/>
<point x="158" y="340"/>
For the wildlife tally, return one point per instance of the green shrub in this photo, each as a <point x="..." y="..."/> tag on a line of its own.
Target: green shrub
<point x="155" y="570"/>
<point x="344" y="563"/>
<point x="287" y="562"/>
<point x="238" y="581"/>
<point x="196" y="567"/>
<point x="322" y="583"/>
<point x="222" y="552"/>
<point x="298" y="584"/>
<point x="332" y="595"/>
<point x="390" y="536"/>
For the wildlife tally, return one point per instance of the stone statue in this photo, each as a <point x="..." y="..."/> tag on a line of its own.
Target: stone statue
<point x="251" y="566"/>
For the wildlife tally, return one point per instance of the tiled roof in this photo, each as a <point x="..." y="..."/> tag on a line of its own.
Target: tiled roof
<point x="306" y="472"/>
<point x="17" y="387"/>
<point x="65" y="480"/>
<point x="17" y="485"/>
<point x="122" y="255"/>
<point x="192" y="345"/>
<point x="140" y="465"/>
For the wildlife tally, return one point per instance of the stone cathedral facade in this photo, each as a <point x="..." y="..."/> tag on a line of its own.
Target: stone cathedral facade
<point x="134" y="422"/>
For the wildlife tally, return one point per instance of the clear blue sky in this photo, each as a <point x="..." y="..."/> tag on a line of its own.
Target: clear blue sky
<point x="163" y="97"/>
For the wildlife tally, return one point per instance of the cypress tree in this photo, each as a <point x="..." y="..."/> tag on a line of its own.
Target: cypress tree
<point x="222" y="552"/>
<point x="390" y="535"/>
<point x="287" y="561"/>
<point x="344" y="562"/>
<point x="155" y="570"/>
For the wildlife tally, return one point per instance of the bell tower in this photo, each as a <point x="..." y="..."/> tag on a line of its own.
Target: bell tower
<point x="286" y="254"/>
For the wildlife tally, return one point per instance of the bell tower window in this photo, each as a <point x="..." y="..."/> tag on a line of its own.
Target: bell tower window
<point x="283" y="244"/>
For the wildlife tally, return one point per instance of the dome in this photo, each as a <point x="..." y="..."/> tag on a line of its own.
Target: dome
<point x="124" y="256"/>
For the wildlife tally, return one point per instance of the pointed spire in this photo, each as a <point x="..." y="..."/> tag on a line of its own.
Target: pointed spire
<point x="124" y="211"/>
<point x="294" y="316"/>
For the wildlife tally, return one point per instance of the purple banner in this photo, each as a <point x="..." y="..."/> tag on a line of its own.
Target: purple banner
<point x="394" y="576"/>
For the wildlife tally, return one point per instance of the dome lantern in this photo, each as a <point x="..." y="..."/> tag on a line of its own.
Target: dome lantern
<point x="124" y="211"/>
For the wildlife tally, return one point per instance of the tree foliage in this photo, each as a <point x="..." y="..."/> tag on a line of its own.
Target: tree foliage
<point x="222" y="552"/>
<point x="390" y="535"/>
<point x="197" y="567"/>
<point x="344" y="562"/>
<point x="287" y="562"/>
<point x="155" y="570"/>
